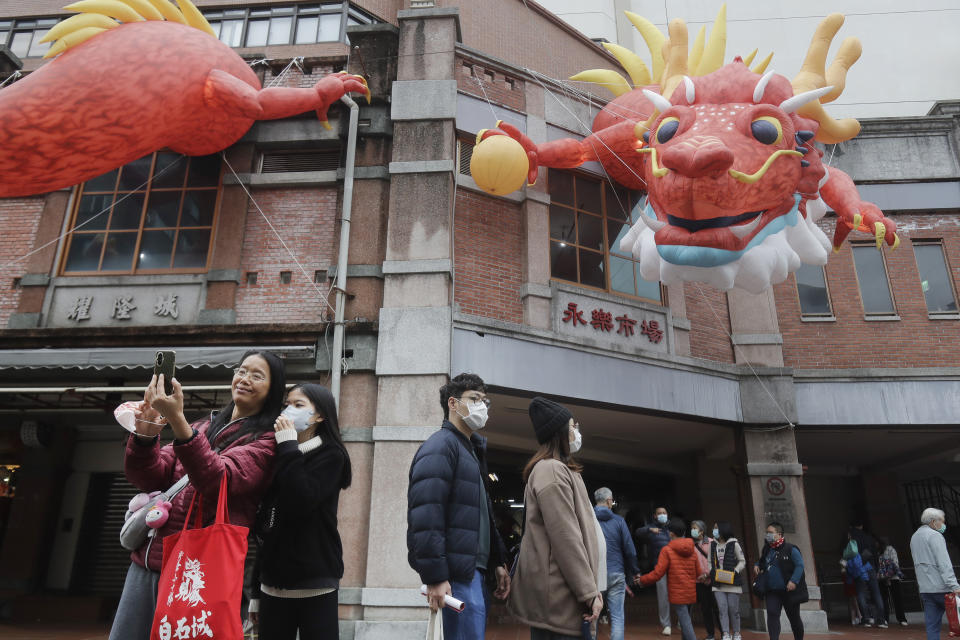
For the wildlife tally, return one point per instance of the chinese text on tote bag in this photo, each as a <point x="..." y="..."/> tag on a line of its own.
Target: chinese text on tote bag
<point x="202" y="578"/>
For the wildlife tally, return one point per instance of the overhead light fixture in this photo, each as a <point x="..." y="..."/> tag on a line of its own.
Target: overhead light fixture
<point x="493" y="477"/>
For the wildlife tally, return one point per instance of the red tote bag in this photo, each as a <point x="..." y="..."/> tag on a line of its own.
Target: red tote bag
<point x="201" y="579"/>
<point x="952" y="606"/>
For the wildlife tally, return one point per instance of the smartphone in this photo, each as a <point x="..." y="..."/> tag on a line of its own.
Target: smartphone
<point x="165" y="363"/>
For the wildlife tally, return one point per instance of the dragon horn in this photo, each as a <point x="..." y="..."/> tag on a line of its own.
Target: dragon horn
<point x="792" y="104"/>
<point x="661" y="103"/>
<point x="761" y="87"/>
<point x="691" y="93"/>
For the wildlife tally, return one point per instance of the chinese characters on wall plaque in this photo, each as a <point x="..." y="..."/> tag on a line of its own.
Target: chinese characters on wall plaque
<point x="602" y="320"/>
<point x="123" y="305"/>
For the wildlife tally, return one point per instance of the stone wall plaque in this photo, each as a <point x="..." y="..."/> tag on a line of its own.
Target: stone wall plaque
<point x="778" y="502"/>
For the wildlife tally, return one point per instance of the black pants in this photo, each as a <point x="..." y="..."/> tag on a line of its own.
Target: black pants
<point x="777" y="601"/>
<point x="708" y="608"/>
<point x="886" y="588"/>
<point x="315" y="618"/>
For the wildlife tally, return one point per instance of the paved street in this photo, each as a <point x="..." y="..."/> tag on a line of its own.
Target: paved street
<point x="496" y="632"/>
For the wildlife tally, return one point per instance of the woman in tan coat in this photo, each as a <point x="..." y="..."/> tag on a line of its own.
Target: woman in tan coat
<point x="554" y="588"/>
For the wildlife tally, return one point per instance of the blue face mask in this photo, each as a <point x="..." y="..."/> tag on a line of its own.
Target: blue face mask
<point x="943" y="528"/>
<point x="662" y="518"/>
<point x="299" y="417"/>
<point x="716" y="533"/>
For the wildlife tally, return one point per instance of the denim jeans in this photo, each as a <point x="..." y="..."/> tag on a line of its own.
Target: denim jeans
<point x="685" y="621"/>
<point x="933" y="609"/>
<point x="616" y="589"/>
<point x="870" y="588"/>
<point x="471" y="624"/>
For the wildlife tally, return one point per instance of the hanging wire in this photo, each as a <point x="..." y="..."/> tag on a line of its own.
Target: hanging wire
<point x="92" y="218"/>
<point x="323" y="296"/>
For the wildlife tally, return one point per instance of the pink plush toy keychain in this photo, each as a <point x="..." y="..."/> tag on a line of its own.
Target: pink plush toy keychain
<point x="158" y="514"/>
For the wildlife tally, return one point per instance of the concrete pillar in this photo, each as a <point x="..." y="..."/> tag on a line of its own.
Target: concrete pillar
<point x="772" y="489"/>
<point x="676" y="299"/>
<point x="413" y="349"/>
<point x="755" y="329"/>
<point x="535" y="293"/>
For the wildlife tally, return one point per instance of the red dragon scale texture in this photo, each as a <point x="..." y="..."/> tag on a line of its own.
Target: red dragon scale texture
<point x="132" y="90"/>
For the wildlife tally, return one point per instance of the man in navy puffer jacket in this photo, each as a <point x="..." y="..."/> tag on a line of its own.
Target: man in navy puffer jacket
<point x="451" y="538"/>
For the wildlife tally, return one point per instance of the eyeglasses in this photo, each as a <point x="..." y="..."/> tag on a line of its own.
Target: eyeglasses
<point x="485" y="401"/>
<point x="254" y="376"/>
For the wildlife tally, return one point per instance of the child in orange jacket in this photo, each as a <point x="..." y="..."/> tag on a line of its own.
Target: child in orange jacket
<point x="678" y="562"/>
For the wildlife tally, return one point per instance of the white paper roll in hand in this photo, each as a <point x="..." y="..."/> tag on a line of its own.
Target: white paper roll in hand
<point x="448" y="600"/>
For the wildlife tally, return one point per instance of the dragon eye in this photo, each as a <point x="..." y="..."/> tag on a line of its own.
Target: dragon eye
<point x="667" y="129"/>
<point x="767" y="129"/>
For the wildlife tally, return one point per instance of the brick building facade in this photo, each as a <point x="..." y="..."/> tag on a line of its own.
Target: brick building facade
<point x="699" y="398"/>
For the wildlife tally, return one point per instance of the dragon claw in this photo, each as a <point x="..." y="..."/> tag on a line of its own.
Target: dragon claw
<point x="326" y="125"/>
<point x="857" y="220"/>
<point x="896" y="242"/>
<point x="880" y="230"/>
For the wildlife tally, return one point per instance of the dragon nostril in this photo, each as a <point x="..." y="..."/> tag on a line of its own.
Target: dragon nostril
<point x="695" y="161"/>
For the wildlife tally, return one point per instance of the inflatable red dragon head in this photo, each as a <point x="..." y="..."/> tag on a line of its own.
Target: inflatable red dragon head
<point x="725" y="154"/>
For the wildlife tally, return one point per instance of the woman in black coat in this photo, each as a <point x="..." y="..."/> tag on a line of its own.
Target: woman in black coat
<point x="299" y="556"/>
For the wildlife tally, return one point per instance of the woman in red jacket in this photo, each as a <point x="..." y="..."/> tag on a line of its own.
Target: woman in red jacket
<point x="679" y="563"/>
<point x="237" y="441"/>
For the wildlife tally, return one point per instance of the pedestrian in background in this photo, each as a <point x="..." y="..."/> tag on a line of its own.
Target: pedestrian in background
<point x="890" y="577"/>
<point x="679" y="563"/>
<point x="554" y="587"/>
<point x="727" y="558"/>
<point x="708" y="604"/>
<point x="657" y="537"/>
<point x="781" y="580"/>
<point x="860" y="568"/>
<point x="621" y="558"/>
<point x="935" y="577"/>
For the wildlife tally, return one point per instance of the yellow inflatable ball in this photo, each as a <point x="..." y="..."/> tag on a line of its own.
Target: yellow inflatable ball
<point x="499" y="165"/>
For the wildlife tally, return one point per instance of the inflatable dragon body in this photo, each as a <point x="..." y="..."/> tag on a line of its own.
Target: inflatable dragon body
<point x="131" y="77"/>
<point x="735" y="186"/>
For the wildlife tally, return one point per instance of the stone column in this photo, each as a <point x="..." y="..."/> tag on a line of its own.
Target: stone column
<point x="535" y="293"/>
<point x="771" y="481"/>
<point x="413" y="349"/>
<point x="755" y="328"/>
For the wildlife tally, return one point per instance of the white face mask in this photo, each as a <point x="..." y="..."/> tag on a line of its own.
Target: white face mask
<point x="577" y="441"/>
<point x="299" y="417"/>
<point x="476" y="419"/>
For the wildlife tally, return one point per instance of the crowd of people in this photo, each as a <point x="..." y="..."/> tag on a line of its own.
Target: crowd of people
<point x="285" y="465"/>
<point x="576" y="556"/>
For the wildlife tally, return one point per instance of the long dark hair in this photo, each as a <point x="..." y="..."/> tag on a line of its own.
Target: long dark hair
<point x="272" y="406"/>
<point x="556" y="448"/>
<point x="329" y="428"/>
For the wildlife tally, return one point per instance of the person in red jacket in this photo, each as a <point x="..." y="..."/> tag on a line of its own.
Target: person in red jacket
<point x="237" y="441"/>
<point x="678" y="562"/>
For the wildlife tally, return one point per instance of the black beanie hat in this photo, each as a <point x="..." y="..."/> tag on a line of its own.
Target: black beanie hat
<point x="548" y="418"/>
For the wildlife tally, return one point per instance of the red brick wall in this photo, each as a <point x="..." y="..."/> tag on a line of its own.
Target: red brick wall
<point x="306" y="219"/>
<point x="709" y="339"/>
<point x="498" y="87"/>
<point x="19" y="218"/>
<point x="488" y="257"/>
<point x="852" y="342"/>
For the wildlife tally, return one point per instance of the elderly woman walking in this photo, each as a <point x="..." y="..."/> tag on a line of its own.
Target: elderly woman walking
<point x="935" y="577"/>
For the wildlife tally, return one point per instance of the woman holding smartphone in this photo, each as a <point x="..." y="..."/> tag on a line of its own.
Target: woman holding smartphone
<point x="300" y="558"/>
<point x="237" y="441"/>
<point x="555" y="586"/>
